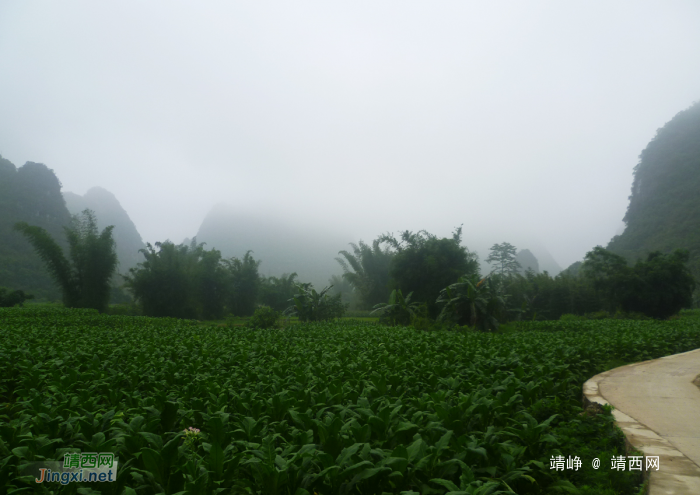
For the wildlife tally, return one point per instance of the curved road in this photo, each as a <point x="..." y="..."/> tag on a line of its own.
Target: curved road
<point x="657" y="405"/>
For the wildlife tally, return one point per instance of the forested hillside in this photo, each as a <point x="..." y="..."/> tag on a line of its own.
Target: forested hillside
<point x="664" y="208"/>
<point x="31" y="193"/>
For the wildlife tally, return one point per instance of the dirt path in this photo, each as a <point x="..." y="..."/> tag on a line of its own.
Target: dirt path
<point x="657" y="405"/>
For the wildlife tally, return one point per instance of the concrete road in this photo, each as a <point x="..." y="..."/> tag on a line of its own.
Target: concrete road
<point x="657" y="405"/>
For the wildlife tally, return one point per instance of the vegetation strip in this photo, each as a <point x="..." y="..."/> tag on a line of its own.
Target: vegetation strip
<point x="322" y="407"/>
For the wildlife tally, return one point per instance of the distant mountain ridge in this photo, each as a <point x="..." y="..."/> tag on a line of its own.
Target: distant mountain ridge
<point x="282" y="247"/>
<point x="545" y="260"/>
<point x="527" y="261"/>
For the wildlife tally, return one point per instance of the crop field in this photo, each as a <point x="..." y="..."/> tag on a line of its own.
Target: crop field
<point x="346" y="407"/>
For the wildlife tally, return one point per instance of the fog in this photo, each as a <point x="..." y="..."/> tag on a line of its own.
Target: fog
<point x="522" y="121"/>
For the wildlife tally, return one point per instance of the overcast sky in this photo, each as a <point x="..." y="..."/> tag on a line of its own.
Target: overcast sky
<point x="521" y="120"/>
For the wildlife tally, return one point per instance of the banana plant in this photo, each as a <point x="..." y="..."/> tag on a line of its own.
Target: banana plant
<point x="310" y="305"/>
<point x="477" y="304"/>
<point x="399" y="310"/>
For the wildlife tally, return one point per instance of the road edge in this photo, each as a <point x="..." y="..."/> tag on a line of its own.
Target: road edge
<point x="672" y="462"/>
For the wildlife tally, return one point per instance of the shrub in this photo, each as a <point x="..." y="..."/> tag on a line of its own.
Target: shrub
<point x="570" y="317"/>
<point x="264" y="317"/>
<point x="332" y="307"/>
<point x="124" y="310"/>
<point x="9" y="299"/>
<point x="597" y="315"/>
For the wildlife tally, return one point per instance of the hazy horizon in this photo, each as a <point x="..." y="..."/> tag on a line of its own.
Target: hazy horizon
<point x="523" y="122"/>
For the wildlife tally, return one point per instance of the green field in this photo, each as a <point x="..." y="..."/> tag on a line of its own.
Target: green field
<point x="329" y="408"/>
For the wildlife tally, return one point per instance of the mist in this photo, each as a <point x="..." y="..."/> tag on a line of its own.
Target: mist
<point x="522" y="122"/>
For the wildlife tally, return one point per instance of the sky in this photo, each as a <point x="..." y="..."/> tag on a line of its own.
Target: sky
<point x="521" y="121"/>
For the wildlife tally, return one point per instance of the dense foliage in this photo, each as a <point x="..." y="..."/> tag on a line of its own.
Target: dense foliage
<point x="658" y="287"/>
<point x="84" y="276"/>
<point x="329" y="408"/>
<point x="243" y="284"/>
<point x="543" y="297"/>
<point x="179" y="281"/>
<point x="425" y="264"/>
<point x="188" y="281"/>
<point x="276" y="292"/>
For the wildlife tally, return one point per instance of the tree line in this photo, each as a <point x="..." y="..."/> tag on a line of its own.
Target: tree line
<point x="413" y="278"/>
<point x="423" y="277"/>
<point x="181" y="281"/>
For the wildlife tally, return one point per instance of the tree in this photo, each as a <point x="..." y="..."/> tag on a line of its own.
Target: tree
<point x="84" y="277"/>
<point x="179" y="281"/>
<point x="424" y="264"/>
<point x="504" y="257"/>
<point x="243" y="284"/>
<point x="367" y="269"/>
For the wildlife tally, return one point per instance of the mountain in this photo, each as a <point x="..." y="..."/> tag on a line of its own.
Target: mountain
<point x="29" y="194"/>
<point x="281" y="246"/>
<point x="546" y="261"/>
<point x="664" y="208"/>
<point x="109" y="211"/>
<point x="527" y="261"/>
